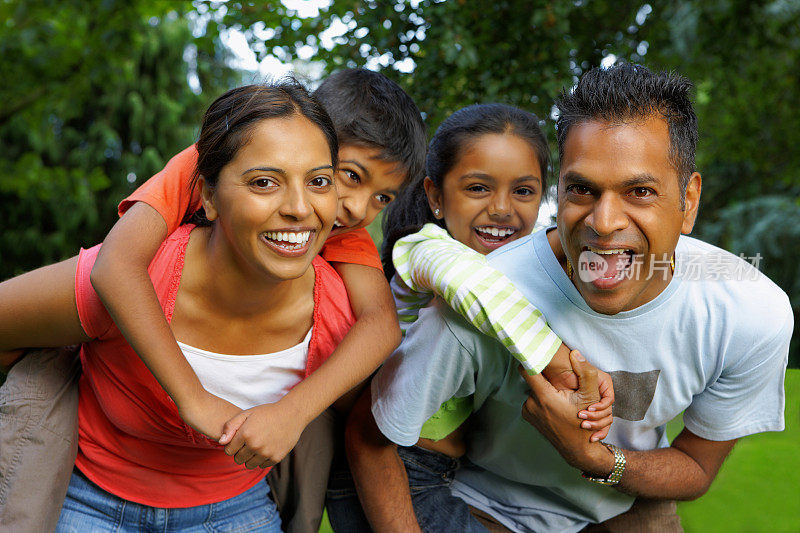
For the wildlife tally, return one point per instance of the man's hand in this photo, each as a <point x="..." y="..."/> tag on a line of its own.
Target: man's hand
<point x="260" y="437"/>
<point x="562" y="377"/>
<point x="208" y="414"/>
<point x="555" y="414"/>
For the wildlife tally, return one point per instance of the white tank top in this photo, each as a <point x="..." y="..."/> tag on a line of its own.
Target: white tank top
<point x="249" y="380"/>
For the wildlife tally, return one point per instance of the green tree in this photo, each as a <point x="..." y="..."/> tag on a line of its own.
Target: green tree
<point x="742" y="55"/>
<point x="94" y="98"/>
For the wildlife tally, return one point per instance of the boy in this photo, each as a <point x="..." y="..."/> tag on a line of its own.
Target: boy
<point x="382" y="143"/>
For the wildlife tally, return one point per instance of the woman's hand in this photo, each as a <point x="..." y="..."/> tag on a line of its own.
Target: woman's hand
<point x="260" y="437"/>
<point x="208" y="414"/>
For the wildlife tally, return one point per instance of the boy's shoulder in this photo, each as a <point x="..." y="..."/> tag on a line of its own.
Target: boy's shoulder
<point x="354" y="247"/>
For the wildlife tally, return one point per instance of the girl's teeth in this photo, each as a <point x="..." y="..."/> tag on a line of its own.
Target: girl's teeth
<point x="496" y="232"/>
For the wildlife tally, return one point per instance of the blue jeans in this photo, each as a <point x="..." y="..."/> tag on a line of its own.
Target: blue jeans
<point x="90" y="508"/>
<point x="429" y="477"/>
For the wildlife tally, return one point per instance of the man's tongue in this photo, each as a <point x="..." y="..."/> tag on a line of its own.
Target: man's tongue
<point x="607" y="265"/>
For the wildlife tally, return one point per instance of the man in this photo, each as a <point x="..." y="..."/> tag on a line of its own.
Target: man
<point x="681" y="326"/>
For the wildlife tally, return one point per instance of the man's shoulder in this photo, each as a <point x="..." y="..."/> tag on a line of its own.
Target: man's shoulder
<point x="732" y="286"/>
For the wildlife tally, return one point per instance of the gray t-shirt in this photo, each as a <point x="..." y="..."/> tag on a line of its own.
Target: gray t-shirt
<point x="715" y="347"/>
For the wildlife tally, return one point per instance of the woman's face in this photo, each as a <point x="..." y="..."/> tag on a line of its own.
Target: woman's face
<point x="275" y="202"/>
<point x="492" y="195"/>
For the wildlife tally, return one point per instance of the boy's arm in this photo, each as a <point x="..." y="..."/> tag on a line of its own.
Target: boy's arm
<point x="121" y="280"/>
<point x="370" y="340"/>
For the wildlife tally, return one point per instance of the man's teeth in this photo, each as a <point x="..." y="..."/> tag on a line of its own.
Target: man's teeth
<point x="607" y="252"/>
<point x="296" y="238"/>
<point x="496" y="232"/>
<point x="336" y="224"/>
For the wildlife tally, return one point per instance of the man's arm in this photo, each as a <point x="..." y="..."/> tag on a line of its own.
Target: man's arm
<point x="378" y="472"/>
<point x="683" y="471"/>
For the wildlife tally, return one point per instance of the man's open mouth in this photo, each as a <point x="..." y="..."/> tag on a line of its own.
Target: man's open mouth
<point x="604" y="264"/>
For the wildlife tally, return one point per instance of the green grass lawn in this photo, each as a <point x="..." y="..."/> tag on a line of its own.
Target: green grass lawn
<point x="757" y="489"/>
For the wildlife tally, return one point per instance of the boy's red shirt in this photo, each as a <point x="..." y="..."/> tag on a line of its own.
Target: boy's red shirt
<point x="170" y="193"/>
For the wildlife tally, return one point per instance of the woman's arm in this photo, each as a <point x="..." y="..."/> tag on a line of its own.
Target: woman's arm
<point x="265" y="434"/>
<point x="121" y="280"/>
<point x="38" y="309"/>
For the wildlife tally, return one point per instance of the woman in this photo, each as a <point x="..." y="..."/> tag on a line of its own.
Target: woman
<point x="245" y="281"/>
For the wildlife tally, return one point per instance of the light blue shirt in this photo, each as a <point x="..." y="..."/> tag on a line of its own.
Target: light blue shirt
<point x="715" y="347"/>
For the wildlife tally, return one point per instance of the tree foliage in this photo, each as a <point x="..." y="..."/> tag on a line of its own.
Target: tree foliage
<point x="743" y="56"/>
<point x="94" y="99"/>
<point x="93" y="94"/>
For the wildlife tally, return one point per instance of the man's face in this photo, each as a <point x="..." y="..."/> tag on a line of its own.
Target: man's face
<point x="619" y="208"/>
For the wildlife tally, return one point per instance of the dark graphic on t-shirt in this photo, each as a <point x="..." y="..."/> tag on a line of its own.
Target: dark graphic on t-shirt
<point x="633" y="392"/>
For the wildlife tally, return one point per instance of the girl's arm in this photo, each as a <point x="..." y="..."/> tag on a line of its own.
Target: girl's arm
<point x="121" y="280"/>
<point x="38" y="309"/>
<point x="265" y="434"/>
<point x="432" y="261"/>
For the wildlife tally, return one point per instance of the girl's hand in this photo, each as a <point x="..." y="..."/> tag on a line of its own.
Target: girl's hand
<point x="260" y="437"/>
<point x="598" y="416"/>
<point x="559" y="371"/>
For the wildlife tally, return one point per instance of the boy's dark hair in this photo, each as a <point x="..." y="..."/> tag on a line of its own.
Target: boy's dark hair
<point x="370" y="110"/>
<point x="228" y="124"/>
<point x="627" y="93"/>
<point x="410" y="210"/>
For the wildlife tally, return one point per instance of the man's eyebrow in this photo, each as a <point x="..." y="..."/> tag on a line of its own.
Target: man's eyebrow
<point x="639" y="180"/>
<point x="359" y="165"/>
<point x="577" y="178"/>
<point x="321" y="167"/>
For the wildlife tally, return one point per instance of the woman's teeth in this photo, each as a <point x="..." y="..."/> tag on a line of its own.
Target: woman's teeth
<point x="490" y="231"/>
<point x="291" y="240"/>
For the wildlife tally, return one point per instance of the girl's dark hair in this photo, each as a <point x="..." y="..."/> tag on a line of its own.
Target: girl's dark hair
<point x="410" y="210"/>
<point x="228" y="124"/>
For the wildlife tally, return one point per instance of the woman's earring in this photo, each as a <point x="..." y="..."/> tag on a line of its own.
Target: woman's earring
<point x="436" y="212"/>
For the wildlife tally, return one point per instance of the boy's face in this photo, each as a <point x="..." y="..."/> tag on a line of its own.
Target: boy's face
<point x="366" y="184"/>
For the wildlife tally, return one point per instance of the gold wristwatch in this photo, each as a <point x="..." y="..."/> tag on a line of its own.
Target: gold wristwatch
<point x="616" y="473"/>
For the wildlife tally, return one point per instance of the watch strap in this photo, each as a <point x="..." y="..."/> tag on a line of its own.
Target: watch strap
<point x="616" y="473"/>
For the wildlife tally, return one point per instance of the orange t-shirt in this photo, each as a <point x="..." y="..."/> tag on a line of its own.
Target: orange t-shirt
<point x="170" y="193"/>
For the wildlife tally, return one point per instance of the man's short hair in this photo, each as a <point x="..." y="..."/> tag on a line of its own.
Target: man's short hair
<point x="368" y="109"/>
<point x="627" y="93"/>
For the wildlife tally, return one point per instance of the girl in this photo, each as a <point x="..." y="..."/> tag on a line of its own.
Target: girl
<point x="245" y="281"/>
<point x="486" y="169"/>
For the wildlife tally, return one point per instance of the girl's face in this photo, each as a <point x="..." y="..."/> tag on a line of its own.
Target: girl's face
<point x="492" y="195"/>
<point x="275" y="202"/>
